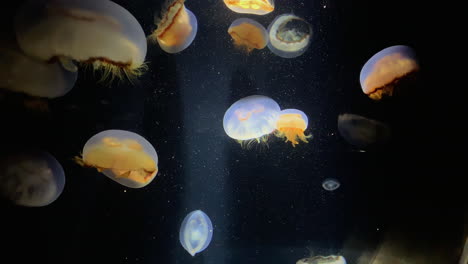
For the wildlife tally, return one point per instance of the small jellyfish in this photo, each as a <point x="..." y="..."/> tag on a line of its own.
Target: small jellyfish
<point x="196" y="232"/>
<point x="98" y="33"/>
<point x="289" y="36"/>
<point x="20" y="73"/>
<point x="31" y="178"/>
<point x="291" y="125"/>
<point x="330" y="184"/>
<point x="176" y="28"/>
<point x="251" y="117"/>
<point x="363" y="132"/>
<point x="332" y="259"/>
<point x="383" y="72"/>
<point x="256" y="7"/>
<point x="248" y="34"/>
<point x="123" y="156"/>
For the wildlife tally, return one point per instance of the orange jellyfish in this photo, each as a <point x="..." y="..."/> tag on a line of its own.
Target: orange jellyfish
<point x="248" y="34"/>
<point x="98" y="33"/>
<point x="256" y="7"/>
<point x="177" y="27"/>
<point x="384" y="72"/>
<point x="291" y="125"/>
<point x="123" y="156"/>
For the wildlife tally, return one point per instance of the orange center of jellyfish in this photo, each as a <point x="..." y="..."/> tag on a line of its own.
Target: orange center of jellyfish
<point x="243" y="115"/>
<point x="248" y="36"/>
<point x="264" y="5"/>
<point x="292" y="126"/>
<point x="175" y="26"/>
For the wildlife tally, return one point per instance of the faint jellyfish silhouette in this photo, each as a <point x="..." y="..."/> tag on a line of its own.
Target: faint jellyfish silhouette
<point x="98" y="33"/>
<point x="31" y="178"/>
<point x="248" y="34"/>
<point x="251" y="118"/>
<point x="382" y="74"/>
<point x="123" y="156"/>
<point x="332" y="259"/>
<point x="330" y="184"/>
<point x="196" y="232"/>
<point x="176" y="28"/>
<point x="256" y="7"/>
<point x="289" y="36"/>
<point x="363" y="132"/>
<point x="291" y="125"/>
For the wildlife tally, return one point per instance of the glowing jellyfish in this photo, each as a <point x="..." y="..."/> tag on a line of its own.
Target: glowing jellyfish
<point x="177" y="27"/>
<point x="382" y="72"/>
<point x="123" y="156"/>
<point x="33" y="178"/>
<point x="251" y="117"/>
<point x="248" y="34"/>
<point x="291" y="125"/>
<point x="256" y="7"/>
<point x="289" y="36"/>
<point x="332" y="259"/>
<point x="330" y="184"/>
<point x="196" y="232"/>
<point x="20" y="73"/>
<point x="362" y="132"/>
<point x="100" y="33"/>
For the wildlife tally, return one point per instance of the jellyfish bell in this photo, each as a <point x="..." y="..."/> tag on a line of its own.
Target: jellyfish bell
<point x="330" y="184"/>
<point x="123" y="156"/>
<point x="256" y="7"/>
<point x="291" y="125"/>
<point x="248" y="34"/>
<point x="251" y="118"/>
<point x="383" y="73"/>
<point x="98" y="33"/>
<point x="289" y="36"/>
<point x="332" y="259"/>
<point x="176" y="28"/>
<point x="363" y="132"/>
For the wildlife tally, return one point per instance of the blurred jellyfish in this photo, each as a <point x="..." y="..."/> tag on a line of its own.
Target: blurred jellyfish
<point x="33" y="178"/>
<point x="176" y="28"/>
<point x="123" y="156"/>
<point x="330" y="184"/>
<point x="332" y="259"/>
<point x="289" y="36"/>
<point x="382" y="72"/>
<point x="100" y="33"/>
<point x="251" y="117"/>
<point x="196" y="232"/>
<point x="248" y="34"/>
<point x="256" y="7"/>
<point x="291" y="125"/>
<point x="362" y="132"/>
<point x="20" y="73"/>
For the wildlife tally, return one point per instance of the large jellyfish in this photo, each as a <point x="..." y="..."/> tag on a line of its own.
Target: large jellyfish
<point x="100" y="33"/>
<point x="123" y="156"/>
<point x="251" y="117"/>
<point x="256" y="7"/>
<point x="31" y="178"/>
<point x="176" y="28"/>
<point x="332" y="259"/>
<point x="382" y="73"/>
<point x="195" y="232"/>
<point x="289" y="36"/>
<point x="20" y="73"/>
<point x="248" y="34"/>
<point x="363" y="132"/>
<point x="291" y="125"/>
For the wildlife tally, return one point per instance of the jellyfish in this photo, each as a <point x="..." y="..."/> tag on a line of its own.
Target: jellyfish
<point x="98" y="33"/>
<point x="289" y="36"/>
<point x="196" y="232"/>
<point x="31" y="178"/>
<point x="248" y="34"/>
<point x="256" y="7"/>
<point x="123" y="156"/>
<point x="20" y="73"/>
<point x="383" y="72"/>
<point x="330" y="184"/>
<point x="363" y="132"/>
<point x="332" y="259"/>
<point x="176" y="28"/>
<point x="251" y="118"/>
<point x="291" y="125"/>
